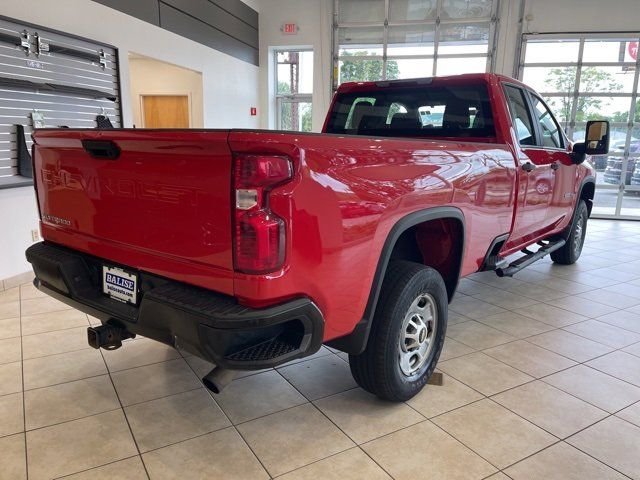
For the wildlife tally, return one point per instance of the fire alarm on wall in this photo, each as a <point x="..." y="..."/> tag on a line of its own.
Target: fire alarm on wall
<point x="254" y="111"/>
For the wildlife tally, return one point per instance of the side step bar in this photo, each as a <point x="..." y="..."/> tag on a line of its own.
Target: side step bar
<point x="529" y="258"/>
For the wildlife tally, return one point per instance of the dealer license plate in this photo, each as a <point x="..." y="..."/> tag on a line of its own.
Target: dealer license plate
<point x="120" y="285"/>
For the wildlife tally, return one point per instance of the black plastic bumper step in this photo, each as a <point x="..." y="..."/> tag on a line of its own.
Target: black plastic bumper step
<point x="273" y="348"/>
<point x="529" y="258"/>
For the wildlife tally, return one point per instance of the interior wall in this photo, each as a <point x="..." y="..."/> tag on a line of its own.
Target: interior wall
<point x="18" y="216"/>
<point x="153" y="77"/>
<point x="545" y="16"/>
<point x="314" y="19"/>
<point x="230" y="89"/>
<point x="230" y="85"/>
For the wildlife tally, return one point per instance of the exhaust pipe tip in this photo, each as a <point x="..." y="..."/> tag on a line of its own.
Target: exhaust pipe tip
<point x="218" y="378"/>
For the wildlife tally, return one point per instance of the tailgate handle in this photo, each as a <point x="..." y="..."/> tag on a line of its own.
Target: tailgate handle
<point x="102" y="149"/>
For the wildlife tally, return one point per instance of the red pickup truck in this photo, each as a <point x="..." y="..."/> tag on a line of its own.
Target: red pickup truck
<point x="253" y="248"/>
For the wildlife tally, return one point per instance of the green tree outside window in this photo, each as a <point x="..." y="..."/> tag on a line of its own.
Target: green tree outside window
<point x="366" y="70"/>
<point x="591" y="80"/>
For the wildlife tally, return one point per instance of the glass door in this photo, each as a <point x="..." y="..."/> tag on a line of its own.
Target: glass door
<point x="588" y="77"/>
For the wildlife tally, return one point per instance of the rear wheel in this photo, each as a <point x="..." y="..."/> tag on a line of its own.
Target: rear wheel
<point x="407" y="333"/>
<point x="571" y="251"/>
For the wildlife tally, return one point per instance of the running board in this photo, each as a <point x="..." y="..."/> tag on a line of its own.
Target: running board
<point x="529" y="258"/>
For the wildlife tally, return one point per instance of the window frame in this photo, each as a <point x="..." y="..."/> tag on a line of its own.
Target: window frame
<point x="528" y="106"/>
<point x="531" y="96"/>
<point x="438" y="24"/>
<point x="281" y="98"/>
<point x="297" y="99"/>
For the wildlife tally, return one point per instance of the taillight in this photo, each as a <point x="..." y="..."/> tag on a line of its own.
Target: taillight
<point x="260" y="234"/>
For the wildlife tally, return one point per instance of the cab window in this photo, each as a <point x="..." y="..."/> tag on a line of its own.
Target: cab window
<point x="520" y="115"/>
<point x="460" y="111"/>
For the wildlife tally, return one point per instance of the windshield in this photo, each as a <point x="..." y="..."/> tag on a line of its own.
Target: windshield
<point x="421" y="111"/>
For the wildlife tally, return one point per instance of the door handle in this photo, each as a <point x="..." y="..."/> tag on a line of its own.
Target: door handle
<point x="528" y="167"/>
<point x="101" y="149"/>
<point x="555" y="166"/>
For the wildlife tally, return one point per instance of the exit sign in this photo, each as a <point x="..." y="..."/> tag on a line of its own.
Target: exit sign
<point x="289" y="28"/>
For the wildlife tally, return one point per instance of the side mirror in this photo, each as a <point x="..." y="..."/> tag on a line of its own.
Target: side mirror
<point x="597" y="138"/>
<point x="596" y="141"/>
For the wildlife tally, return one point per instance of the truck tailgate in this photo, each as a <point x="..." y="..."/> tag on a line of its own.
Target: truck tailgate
<point x="163" y="205"/>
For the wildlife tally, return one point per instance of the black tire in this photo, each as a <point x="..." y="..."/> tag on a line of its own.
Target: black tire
<point x="571" y="251"/>
<point x="378" y="369"/>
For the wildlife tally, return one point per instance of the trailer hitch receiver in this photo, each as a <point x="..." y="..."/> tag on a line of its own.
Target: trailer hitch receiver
<point x="108" y="336"/>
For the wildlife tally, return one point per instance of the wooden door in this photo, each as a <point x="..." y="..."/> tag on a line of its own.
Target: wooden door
<point x="166" y="111"/>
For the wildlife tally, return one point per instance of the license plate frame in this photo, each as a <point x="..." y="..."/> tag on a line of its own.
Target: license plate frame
<point x="119" y="284"/>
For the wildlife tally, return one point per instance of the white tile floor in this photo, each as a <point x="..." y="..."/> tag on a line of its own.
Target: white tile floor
<point x="541" y="381"/>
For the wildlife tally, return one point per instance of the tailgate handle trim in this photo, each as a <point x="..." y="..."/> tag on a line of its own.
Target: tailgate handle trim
<point x="102" y="149"/>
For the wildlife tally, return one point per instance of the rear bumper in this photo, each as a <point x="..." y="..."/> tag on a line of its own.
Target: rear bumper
<point x="208" y="324"/>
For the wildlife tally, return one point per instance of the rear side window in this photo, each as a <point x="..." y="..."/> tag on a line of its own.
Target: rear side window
<point x="421" y="111"/>
<point x="520" y="115"/>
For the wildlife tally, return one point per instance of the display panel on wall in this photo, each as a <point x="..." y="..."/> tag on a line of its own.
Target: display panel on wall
<point x="398" y="39"/>
<point x="50" y="79"/>
<point x="588" y="77"/>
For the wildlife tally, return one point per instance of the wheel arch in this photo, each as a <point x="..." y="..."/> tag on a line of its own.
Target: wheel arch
<point x="587" y="192"/>
<point x="404" y="236"/>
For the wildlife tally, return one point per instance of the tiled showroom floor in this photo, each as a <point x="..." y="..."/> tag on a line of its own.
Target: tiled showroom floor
<point x="541" y="380"/>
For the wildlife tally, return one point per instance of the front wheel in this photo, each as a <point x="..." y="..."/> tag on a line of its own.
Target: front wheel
<point x="571" y="250"/>
<point x="407" y="333"/>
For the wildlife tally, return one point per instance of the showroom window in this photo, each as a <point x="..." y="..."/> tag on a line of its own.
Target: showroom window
<point x="395" y="39"/>
<point x="589" y="77"/>
<point x="294" y="89"/>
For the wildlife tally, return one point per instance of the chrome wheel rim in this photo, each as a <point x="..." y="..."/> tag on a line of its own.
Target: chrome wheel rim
<point x="417" y="335"/>
<point x="577" y="238"/>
